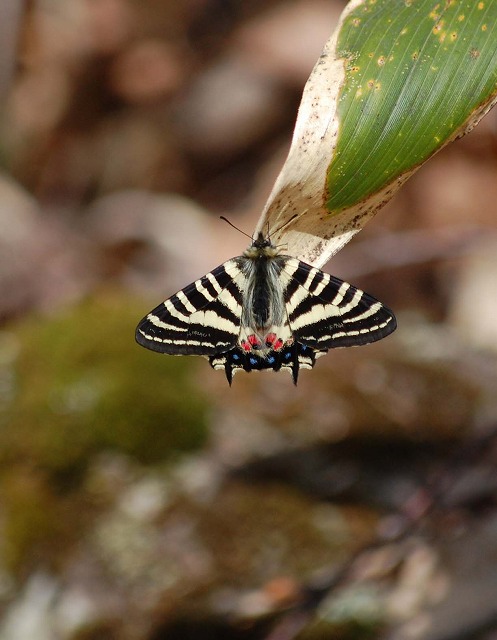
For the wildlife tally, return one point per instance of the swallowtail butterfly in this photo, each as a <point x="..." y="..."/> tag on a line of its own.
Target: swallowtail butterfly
<point x="264" y="310"/>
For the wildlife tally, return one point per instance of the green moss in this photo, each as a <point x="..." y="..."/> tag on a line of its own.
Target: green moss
<point x="84" y="385"/>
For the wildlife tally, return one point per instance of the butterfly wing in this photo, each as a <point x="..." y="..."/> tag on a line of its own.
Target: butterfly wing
<point x="201" y="319"/>
<point x="325" y="312"/>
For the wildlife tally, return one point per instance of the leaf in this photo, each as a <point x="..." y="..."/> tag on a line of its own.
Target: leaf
<point x="396" y="82"/>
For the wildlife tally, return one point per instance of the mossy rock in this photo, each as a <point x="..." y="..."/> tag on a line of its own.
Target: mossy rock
<point x="82" y="385"/>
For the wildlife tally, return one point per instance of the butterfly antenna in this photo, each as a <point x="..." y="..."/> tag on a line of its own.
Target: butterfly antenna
<point x="232" y="225"/>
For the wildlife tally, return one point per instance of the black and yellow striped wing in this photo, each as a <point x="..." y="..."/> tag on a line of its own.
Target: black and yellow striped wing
<point x="325" y="312"/>
<point x="202" y="319"/>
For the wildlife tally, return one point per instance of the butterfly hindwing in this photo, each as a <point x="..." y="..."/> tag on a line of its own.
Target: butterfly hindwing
<point x="292" y="357"/>
<point x="325" y="312"/>
<point x="201" y="319"/>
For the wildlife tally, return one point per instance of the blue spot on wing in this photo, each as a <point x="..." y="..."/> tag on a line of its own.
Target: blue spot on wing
<point x="291" y="357"/>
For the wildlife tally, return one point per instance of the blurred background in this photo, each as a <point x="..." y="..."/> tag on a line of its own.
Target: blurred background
<point x="140" y="498"/>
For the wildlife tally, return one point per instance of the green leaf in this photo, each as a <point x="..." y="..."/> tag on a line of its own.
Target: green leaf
<point x="397" y="81"/>
<point x="416" y="72"/>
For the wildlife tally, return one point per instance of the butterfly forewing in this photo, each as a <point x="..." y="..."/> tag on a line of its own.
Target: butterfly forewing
<point x="201" y="319"/>
<point x="324" y="312"/>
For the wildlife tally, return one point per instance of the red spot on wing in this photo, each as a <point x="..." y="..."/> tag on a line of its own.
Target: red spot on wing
<point x="245" y="345"/>
<point x="254" y="341"/>
<point x="270" y="338"/>
<point x="273" y="341"/>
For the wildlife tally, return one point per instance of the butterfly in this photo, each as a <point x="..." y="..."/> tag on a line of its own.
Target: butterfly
<point x="264" y="310"/>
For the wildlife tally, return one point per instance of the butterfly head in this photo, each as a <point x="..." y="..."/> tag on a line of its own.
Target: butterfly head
<point x="261" y="247"/>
